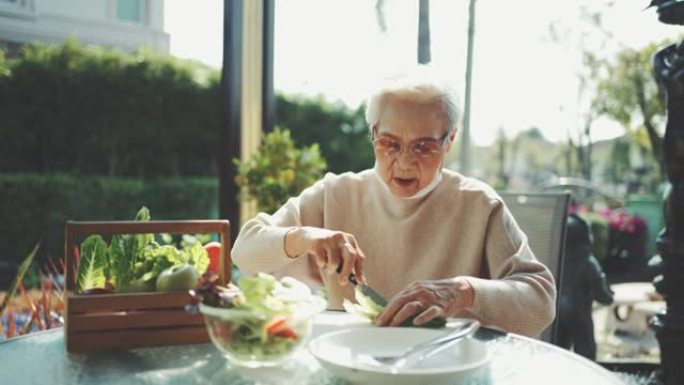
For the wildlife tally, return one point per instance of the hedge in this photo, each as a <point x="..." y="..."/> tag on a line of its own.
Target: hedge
<point x="35" y="207"/>
<point x="93" y="110"/>
<point x="341" y="132"/>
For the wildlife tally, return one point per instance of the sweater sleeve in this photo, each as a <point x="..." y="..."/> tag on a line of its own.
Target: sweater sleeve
<point x="520" y="294"/>
<point x="260" y="245"/>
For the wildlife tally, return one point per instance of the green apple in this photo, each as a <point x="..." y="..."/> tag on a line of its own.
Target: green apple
<point x="178" y="278"/>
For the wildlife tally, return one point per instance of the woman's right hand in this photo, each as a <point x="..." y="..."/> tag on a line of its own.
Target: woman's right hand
<point x="330" y="248"/>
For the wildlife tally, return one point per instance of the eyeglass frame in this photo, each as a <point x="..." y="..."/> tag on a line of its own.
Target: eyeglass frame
<point x="440" y="141"/>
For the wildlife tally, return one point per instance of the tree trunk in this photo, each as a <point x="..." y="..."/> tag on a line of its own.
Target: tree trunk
<point x="380" y="15"/>
<point x="465" y="135"/>
<point x="655" y="139"/>
<point x="568" y="157"/>
<point x="424" y="32"/>
<point x="586" y="165"/>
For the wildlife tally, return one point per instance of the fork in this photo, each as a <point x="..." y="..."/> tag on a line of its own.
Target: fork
<point x="417" y="353"/>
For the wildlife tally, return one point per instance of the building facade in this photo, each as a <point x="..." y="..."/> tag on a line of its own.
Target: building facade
<point x="127" y="24"/>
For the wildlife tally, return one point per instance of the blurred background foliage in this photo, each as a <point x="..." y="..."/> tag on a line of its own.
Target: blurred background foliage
<point x="90" y="132"/>
<point x="36" y="206"/>
<point x="341" y="132"/>
<point x="278" y="170"/>
<point x="95" y="110"/>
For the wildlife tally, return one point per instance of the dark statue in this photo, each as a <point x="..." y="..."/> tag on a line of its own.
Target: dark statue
<point x="583" y="283"/>
<point x="668" y="65"/>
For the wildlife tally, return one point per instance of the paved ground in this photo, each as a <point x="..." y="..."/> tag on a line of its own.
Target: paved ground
<point x="618" y="344"/>
<point x="628" y="345"/>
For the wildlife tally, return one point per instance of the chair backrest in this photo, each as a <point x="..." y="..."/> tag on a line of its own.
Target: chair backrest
<point x="543" y="216"/>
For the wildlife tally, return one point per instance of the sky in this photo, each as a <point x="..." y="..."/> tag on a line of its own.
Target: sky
<point x="523" y="77"/>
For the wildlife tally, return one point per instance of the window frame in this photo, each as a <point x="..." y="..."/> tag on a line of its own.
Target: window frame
<point x="20" y="9"/>
<point x="144" y="13"/>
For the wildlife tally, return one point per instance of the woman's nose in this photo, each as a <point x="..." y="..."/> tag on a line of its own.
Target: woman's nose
<point x="405" y="159"/>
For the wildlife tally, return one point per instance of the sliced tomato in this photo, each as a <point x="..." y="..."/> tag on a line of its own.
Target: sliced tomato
<point x="214" y="252"/>
<point x="288" y="333"/>
<point x="277" y="324"/>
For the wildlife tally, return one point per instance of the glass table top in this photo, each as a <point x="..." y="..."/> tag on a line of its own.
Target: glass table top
<point x="41" y="358"/>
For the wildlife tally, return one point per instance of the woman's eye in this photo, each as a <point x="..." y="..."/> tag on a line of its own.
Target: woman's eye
<point x="425" y="148"/>
<point x="422" y="148"/>
<point x="394" y="146"/>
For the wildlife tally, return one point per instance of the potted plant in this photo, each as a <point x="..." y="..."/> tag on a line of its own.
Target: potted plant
<point x="278" y="170"/>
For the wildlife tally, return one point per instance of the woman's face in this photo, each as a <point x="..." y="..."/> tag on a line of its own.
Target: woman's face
<point x="415" y="127"/>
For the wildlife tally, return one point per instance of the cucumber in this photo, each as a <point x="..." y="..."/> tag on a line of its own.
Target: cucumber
<point x="434" y="323"/>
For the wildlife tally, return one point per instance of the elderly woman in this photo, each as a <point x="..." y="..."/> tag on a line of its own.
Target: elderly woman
<point x="434" y="241"/>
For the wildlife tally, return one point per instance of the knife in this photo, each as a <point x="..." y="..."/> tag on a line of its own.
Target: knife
<point x="438" y="322"/>
<point x="365" y="289"/>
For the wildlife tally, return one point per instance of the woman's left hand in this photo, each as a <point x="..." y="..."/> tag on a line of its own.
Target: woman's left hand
<point x="427" y="300"/>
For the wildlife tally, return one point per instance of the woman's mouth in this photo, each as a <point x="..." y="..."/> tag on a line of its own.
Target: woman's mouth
<point x="404" y="182"/>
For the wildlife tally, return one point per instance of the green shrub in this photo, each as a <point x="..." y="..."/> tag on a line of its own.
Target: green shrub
<point x="341" y="132"/>
<point x="278" y="171"/>
<point x="36" y="207"/>
<point x="94" y="110"/>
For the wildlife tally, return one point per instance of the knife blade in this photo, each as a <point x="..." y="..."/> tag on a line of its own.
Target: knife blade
<point x="365" y="289"/>
<point x="368" y="291"/>
<point x="437" y="322"/>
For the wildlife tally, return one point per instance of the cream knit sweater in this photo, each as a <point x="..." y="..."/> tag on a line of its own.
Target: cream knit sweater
<point x="460" y="228"/>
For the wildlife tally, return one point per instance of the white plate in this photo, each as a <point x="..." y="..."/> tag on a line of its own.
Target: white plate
<point x="346" y="354"/>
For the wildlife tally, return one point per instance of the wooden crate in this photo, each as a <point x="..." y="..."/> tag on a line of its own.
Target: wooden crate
<point x="134" y="320"/>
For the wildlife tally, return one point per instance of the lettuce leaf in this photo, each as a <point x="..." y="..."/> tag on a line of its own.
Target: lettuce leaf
<point x="143" y="239"/>
<point x="196" y="255"/>
<point x="255" y="289"/>
<point x="91" y="268"/>
<point x="127" y="249"/>
<point x="159" y="258"/>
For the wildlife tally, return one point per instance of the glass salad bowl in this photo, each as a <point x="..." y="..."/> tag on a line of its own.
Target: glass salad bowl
<point x="266" y="324"/>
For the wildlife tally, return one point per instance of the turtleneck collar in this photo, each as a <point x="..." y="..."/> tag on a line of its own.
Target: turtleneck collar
<point x="420" y="194"/>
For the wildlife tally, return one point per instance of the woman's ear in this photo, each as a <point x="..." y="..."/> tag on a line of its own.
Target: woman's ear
<point x="452" y="140"/>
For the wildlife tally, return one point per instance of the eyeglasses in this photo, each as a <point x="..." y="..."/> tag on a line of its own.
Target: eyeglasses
<point x="424" y="148"/>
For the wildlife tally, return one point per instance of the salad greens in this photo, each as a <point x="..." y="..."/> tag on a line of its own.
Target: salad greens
<point x="270" y="333"/>
<point x="132" y="262"/>
<point x="265" y="314"/>
<point x="367" y="308"/>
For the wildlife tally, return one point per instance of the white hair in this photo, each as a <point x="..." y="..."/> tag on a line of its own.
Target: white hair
<point x="420" y="87"/>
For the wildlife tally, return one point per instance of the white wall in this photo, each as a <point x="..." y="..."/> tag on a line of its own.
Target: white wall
<point x="91" y="21"/>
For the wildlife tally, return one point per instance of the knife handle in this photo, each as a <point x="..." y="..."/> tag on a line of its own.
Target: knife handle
<point x="352" y="277"/>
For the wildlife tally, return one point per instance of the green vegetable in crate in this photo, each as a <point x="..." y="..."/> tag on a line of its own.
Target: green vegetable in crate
<point x="133" y="262"/>
<point x="91" y="268"/>
<point x="124" y="251"/>
<point x="178" y="278"/>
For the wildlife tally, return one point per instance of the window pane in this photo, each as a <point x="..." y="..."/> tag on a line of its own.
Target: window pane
<point x="128" y="10"/>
